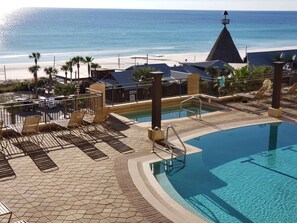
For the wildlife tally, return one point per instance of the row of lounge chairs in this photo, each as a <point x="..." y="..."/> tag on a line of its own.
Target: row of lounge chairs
<point x="29" y="129"/>
<point x="265" y="91"/>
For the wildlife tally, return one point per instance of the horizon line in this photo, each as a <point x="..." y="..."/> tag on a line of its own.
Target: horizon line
<point x="161" y="9"/>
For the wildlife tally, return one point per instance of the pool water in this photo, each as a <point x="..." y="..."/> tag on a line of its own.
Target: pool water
<point x="246" y="174"/>
<point x="168" y="113"/>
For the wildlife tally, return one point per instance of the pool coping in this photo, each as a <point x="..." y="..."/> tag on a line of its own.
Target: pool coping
<point x="150" y="189"/>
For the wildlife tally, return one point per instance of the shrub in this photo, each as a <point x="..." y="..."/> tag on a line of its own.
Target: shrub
<point x="64" y="89"/>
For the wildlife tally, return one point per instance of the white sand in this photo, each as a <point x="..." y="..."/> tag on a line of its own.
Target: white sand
<point x="20" y="70"/>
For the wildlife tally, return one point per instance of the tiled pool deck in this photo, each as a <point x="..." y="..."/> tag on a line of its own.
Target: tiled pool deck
<point x="85" y="190"/>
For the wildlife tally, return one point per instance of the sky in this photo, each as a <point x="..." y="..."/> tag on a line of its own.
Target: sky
<point x="158" y="4"/>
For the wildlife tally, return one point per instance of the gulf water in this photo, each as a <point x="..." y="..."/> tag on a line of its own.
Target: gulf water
<point x="64" y="33"/>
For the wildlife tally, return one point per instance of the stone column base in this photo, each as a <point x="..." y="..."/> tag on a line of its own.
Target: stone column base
<point x="155" y="135"/>
<point x="275" y="112"/>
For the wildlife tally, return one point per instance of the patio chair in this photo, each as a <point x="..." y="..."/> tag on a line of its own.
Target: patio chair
<point x="75" y="121"/>
<point x="28" y="128"/>
<point x="290" y="91"/>
<point x="260" y="94"/>
<point x="100" y="117"/>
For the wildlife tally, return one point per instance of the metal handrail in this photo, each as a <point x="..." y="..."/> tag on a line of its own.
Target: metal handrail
<point x="189" y="99"/>
<point x="169" y="145"/>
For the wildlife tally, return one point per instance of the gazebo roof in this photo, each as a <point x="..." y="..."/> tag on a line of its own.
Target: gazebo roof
<point x="224" y="49"/>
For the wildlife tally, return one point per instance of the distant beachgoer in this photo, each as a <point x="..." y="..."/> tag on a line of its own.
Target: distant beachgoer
<point x="221" y="84"/>
<point x="221" y="81"/>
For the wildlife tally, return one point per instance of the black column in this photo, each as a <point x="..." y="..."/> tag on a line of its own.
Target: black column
<point x="277" y="84"/>
<point x="156" y="98"/>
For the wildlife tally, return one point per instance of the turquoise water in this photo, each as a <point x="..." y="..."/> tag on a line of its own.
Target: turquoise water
<point x="242" y="175"/>
<point x="167" y="113"/>
<point x="65" y="33"/>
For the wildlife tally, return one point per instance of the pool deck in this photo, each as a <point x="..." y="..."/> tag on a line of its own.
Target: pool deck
<point x="86" y="190"/>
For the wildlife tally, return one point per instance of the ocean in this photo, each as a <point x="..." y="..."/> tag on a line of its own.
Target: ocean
<point x="64" y="33"/>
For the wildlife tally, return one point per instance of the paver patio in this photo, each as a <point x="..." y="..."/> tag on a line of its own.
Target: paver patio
<point x="88" y="190"/>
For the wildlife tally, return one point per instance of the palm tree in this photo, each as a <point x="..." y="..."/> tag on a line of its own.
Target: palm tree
<point x="88" y="60"/>
<point x="142" y="74"/>
<point x="70" y="67"/>
<point x="50" y="71"/>
<point x="34" y="69"/>
<point x="65" y="68"/>
<point x="76" y="61"/>
<point x="35" y="56"/>
<point x="95" y="66"/>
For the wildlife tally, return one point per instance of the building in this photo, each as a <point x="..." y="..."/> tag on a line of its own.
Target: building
<point x="267" y="58"/>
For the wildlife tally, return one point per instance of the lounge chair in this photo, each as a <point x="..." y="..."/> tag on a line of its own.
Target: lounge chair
<point x="260" y="94"/>
<point x="28" y="128"/>
<point x="290" y="91"/>
<point x="75" y="121"/>
<point x="4" y="210"/>
<point x="100" y="117"/>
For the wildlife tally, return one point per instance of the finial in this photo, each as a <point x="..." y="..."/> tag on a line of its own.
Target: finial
<point x="225" y="21"/>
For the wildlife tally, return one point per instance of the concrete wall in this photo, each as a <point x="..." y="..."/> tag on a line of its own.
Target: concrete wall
<point x="96" y="88"/>
<point x="128" y="107"/>
<point x="193" y="84"/>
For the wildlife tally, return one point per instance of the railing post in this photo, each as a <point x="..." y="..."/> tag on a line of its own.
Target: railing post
<point x="156" y="99"/>
<point x="65" y="108"/>
<point x="12" y="115"/>
<point x="45" y="110"/>
<point x="180" y="87"/>
<point x="275" y="110"/>
<point x="137" y="88"/>
<point x="112" y="95"/>
<point x="74" y="103"/>
<point x="277" y="81"/>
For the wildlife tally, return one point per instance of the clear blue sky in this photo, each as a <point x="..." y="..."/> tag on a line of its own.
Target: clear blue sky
<point x="158" y="4"/>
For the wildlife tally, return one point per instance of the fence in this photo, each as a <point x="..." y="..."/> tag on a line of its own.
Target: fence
<point x="48" y="109"/>
<point x="61" y="107"/>
<point x="143" y="91"/>
<point x="116" y="94"/>
<point x="232" y="86"/>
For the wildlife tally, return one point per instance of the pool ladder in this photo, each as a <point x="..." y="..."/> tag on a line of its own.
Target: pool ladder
<point x="166" y="146"/>
<point x="193" y="98"/>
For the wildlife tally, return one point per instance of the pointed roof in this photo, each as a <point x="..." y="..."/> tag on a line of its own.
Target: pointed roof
<point x="224" y="49"/>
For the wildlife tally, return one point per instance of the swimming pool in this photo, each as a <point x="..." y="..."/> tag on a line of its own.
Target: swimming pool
<point x="246" y="174"/>
<point x="167" y="113"/>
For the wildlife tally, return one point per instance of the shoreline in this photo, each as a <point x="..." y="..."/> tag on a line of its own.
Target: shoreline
<point x="19" y="71"/>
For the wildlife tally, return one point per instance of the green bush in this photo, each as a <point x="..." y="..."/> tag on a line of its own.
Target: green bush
<point x="64" y="89"/>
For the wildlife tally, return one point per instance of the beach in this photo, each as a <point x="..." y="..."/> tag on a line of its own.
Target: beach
<point x="19" y="71"/>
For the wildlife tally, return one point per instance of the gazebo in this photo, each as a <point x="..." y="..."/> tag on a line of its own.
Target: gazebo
<point x="224" y="48"/>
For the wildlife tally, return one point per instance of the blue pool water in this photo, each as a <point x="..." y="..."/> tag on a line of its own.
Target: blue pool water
<point x="246" y="174"/>
<point x="167" y="113"/>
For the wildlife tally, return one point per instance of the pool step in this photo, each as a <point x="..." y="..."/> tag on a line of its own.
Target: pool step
<point x="176" y="152"/>
<point x="165" y="146"/>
